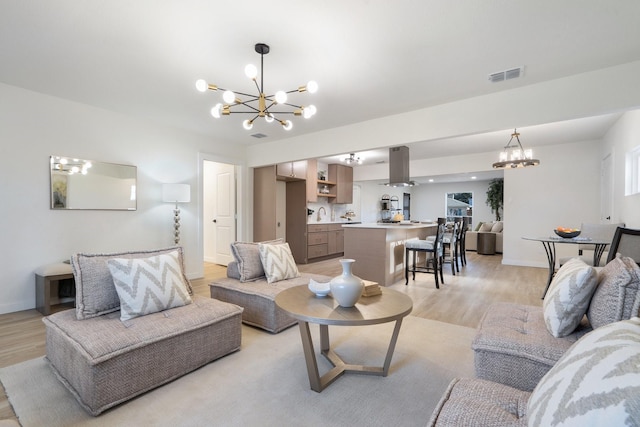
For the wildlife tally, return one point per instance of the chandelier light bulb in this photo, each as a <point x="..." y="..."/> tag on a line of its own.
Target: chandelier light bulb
<point x="281" y="97"/>
<point x="268" y="118"/>
<point x="229" y="97"/>
<point x="201" y="85"/>
<point x="251" y="71"/>
<point x="309" y="111"/>
<point x="287" y="125"/>
<point x="215" y="111"/>
<point x="312" y="86"/>
<point x="247" y="124"/>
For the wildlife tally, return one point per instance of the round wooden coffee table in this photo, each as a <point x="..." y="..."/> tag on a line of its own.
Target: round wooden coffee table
<point x="303" y="304"/>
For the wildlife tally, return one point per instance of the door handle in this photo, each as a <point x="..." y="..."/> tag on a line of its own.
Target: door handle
<point x="608" y="218"/>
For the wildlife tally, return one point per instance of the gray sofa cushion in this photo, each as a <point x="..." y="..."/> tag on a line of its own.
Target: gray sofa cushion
<point x="617" y="296"/>
<point x="95" y="292"/>
<point x="514" y="347"/>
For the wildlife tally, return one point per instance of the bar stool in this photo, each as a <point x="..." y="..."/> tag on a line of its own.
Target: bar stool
<point x="432" y="248"/>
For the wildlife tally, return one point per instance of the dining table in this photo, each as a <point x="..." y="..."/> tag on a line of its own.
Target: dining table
<point x="549" y="244"/>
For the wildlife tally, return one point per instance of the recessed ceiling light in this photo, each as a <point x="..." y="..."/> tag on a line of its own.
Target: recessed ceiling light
<point x="431" y="180"/>
<point x="473" y="177"/>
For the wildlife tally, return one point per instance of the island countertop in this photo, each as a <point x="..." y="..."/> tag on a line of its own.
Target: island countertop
<point x="378" y="248"/>
<point x="379" y="225"/>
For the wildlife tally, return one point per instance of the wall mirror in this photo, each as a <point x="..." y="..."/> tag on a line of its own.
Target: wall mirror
<point x="88" y="184"/>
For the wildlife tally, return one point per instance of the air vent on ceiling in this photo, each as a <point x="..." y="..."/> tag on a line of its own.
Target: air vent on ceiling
<point x="501" y="76"/>
<point x="259" y="135"/>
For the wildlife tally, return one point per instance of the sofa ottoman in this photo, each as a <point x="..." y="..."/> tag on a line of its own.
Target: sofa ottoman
<point x="258" y="299"/>
<point x="477" y="402"/>
<point x="104" y="361"/>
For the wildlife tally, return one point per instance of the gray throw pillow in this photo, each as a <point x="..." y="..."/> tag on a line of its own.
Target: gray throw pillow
<point x="617" y="296"/>
<point x="95" y="292"/>
<point x="248" y="258"/>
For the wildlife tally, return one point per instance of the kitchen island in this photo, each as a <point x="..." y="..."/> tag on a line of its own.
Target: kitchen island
<point x="379" y="248"/>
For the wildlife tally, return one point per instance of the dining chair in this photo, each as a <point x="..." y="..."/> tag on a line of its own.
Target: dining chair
<point x="604" y="232"/>
<point x="626" y="242"/>
<point x="462" y="235"/>
<point x="433" y="252"/>
<point x="450" y="246"/>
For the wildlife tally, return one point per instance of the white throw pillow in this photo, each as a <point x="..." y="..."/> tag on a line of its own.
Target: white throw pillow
<point x="595" y="383"/>
<point x="149" y="285"/>
<point x="568" y="297"/>
<point x="486" y="227"/>
<point x="497" y="227"/>
<point x="278" y="262"/>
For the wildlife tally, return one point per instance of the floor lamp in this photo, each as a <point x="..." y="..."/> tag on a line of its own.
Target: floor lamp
<point x="176" y="193"/>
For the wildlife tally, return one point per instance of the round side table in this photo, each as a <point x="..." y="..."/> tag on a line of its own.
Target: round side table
<point x="487" y="243"/>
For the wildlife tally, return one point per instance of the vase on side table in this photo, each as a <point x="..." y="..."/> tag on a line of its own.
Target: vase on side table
<point x="346" y="288"/>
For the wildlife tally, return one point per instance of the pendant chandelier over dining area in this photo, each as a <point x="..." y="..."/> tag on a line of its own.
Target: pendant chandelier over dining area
<point x="514" y="156"/>
<point x="260" y="105"/>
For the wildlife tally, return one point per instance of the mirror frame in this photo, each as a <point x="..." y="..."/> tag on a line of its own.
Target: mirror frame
<point x="104" y="191"/>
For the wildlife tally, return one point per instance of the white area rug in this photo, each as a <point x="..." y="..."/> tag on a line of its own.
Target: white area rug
<point x="266" y="383"/>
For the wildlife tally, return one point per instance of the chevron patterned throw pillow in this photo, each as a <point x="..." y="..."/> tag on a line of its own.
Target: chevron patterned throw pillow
<point x="149" y="285"/>
<point x="595" y="383"/>
<point x="568" y="297"/>
<point x="278" y="262"/>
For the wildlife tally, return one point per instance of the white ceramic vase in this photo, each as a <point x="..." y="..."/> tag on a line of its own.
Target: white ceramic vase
<point x="346" y="288"/>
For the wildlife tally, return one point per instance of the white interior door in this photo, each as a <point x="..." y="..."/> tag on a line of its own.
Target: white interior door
<point x="219" y="212"/>
<point x="606" y="190"/>
<point x="281" y="210"/>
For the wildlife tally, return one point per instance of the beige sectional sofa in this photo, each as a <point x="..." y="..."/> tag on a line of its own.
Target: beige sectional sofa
<point x="523" y="353"/>
<point x="471" y="237"/>
<point x="110" y="350"/>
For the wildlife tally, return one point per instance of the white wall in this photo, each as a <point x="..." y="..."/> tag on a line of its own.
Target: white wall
<point x="620" y="139"/>
<point x="33" y="127"/>
<point x="563" y="191"/>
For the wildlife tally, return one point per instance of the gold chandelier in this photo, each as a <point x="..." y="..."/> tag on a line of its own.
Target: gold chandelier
<point x="260" y="105"/>
<point x="514" y="156"/>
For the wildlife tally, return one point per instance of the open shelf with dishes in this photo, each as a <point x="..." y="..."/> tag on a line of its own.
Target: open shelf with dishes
<point x="325" y="188"/>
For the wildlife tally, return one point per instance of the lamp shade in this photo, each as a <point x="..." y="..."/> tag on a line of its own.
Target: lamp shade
<point x="178" y="193"/>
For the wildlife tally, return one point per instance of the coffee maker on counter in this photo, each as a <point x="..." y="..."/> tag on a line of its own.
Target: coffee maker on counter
<point x="388" y="209"/>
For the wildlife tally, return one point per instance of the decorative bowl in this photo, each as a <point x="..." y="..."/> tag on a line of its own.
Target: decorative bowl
<point x="318" y="288"/>
<point x="567" y="234"/>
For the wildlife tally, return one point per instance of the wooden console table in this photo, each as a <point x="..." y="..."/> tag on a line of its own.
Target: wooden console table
<point x="44" y="276"/>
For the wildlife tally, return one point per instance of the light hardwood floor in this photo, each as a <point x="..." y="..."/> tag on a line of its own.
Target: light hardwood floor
<point x="461" y="300"/>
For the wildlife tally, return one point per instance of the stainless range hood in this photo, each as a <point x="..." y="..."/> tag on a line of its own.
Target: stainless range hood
<point x="399" y="167"/>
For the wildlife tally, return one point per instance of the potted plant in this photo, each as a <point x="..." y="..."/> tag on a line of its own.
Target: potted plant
<point x="495" y="196"/>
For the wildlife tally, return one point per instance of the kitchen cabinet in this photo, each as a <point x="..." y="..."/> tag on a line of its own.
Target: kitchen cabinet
<point x="324" y="241"/>
<point x="265" y="223"/>
<point x="342" y="176"/>
<point x="335" y="239"/>
<point x="318" y="188"/>
<point x="292" y="170"/>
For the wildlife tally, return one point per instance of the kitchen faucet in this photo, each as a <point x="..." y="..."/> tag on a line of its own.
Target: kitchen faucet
<point x="320" y="210"/>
